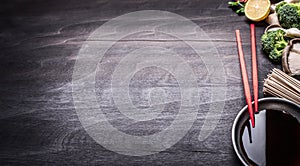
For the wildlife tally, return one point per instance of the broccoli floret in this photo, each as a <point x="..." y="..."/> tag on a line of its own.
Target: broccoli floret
<point x="279" y="5"/>
<point x="273" y="43"/>
<point x="289" y="15"/>
<point x="275" y="55"/>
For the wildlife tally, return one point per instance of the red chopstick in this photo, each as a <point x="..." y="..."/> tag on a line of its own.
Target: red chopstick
<point x="254" y="67"/>
<point x="244" y="76"/>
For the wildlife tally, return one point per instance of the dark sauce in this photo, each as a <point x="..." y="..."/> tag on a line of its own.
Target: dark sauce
<point x="275" y="140"/>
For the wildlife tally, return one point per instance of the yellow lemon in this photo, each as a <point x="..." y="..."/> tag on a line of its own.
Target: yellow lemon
<point x="257" y="10"/>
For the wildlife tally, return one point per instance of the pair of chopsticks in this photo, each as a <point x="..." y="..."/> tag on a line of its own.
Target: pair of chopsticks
<point x="244" y="72"/>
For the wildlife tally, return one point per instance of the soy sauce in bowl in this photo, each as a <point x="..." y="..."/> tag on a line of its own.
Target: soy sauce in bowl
<point x="275" y="140"/>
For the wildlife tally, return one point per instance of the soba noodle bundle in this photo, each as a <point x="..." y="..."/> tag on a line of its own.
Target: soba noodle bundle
<point x="282" y="85"/>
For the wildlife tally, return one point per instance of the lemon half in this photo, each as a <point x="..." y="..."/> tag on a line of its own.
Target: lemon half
<point x="257" y="10"/>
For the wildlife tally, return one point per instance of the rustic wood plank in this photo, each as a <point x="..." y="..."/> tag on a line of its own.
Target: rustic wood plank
<point x="39" y="42"/>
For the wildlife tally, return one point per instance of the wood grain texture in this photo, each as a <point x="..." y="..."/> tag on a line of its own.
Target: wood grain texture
<point x="39" y="42"/>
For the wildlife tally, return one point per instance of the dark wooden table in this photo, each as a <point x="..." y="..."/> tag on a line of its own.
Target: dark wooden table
<point x="39" y="43"/>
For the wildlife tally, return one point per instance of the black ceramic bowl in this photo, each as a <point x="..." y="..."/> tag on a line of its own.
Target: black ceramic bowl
<point x="270" y="103"/>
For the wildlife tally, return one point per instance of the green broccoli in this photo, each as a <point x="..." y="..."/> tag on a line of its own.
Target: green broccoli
<point x="273" y="43"/>
<point x="288" y="14"/>
<point x="279" y="5"/>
